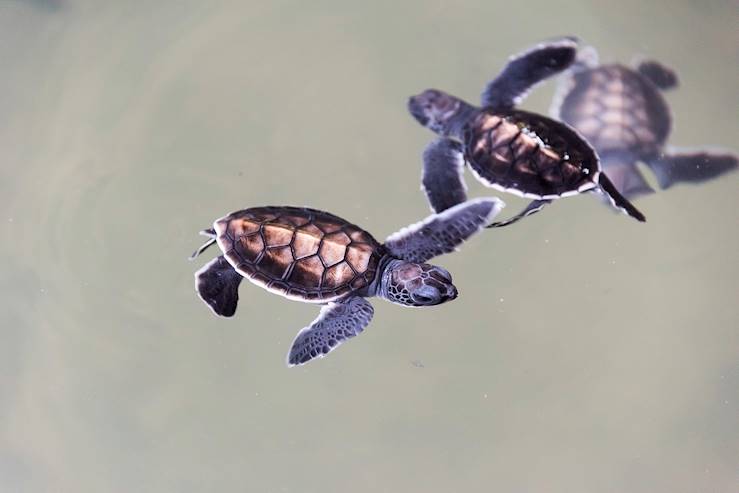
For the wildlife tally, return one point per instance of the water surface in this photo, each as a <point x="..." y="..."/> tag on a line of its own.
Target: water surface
<point x="586" y="352"/>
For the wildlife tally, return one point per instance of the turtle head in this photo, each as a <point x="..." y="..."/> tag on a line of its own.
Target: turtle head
<point x="439" y="111"/>
<point x="412" y="284"/>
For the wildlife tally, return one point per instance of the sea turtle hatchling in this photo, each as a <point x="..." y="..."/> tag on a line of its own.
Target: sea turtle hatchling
<point x="510" y="150"/>
<point x="315" y="257"/>
<point x="622" y="114"/>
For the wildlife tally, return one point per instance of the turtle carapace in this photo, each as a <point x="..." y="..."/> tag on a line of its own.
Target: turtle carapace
<point x="621" y="112"/>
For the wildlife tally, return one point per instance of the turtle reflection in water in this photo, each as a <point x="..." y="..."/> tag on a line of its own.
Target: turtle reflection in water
<point x="510" y="150"/>
<point x="621" y="112"/>
<point x="315" y="257"/>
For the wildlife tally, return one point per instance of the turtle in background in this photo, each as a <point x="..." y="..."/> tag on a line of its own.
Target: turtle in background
<point x="511" y="150"/>
<point x="315" y="257"/>
<point x="622" y="114"/>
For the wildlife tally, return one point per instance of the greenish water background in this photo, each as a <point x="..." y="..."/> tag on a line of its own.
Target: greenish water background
<point x="586" y="352"/>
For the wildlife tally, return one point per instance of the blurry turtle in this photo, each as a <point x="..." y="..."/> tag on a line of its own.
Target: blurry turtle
<point x="510" y="150"/>
<point x="315" y="257"/>
<point x="622" y="114"/>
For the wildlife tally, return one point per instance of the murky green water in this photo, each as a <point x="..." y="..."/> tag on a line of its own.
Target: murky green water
<point x="585" y="353"/>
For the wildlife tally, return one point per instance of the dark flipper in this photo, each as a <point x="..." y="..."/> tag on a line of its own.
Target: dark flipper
<point x="442" y="180"/>
<point x="526" y="70"/>
<point x="443" y="232"/>
<point x="618" y="200"/>
<point x="694" y="167"/>
<point x="217" y="284"/>
<point x="658" y="74"/>
<point x="336" y="323"/>
<point x="627" y="178"/>
<point x="534" y="207"/>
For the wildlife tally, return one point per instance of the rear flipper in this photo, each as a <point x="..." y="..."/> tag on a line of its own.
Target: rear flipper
<point x="691" y="167"/>
<point x="618" y="200"/>
<point x="217" y="284"/>
<point x="210" y="233"/>
<point x="443" y="167"/>
<point x="627" y="179"/>
<point x="534" y="207"/>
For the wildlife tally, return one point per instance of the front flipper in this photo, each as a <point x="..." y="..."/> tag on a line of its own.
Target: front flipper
<point x="442" y="180"/>
<point x="691" y="167"/>
<point x="336" y="323"/>
<point x="526" y="70"/>
<point x="533" y="207"/>
<point x="617" y="200"/>
<point x="443" y="232"/>
<point x="217" y="284"/>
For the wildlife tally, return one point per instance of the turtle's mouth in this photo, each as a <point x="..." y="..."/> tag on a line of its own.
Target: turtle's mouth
<point x="415" y="109"/>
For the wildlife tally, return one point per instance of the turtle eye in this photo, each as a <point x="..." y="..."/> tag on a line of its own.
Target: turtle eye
<point x="426" y="295"/>
<point x="441" y="275"/>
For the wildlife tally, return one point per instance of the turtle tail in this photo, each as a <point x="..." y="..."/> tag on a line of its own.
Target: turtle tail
<point x="210" y="233"/>
<point x="618" y="200"/>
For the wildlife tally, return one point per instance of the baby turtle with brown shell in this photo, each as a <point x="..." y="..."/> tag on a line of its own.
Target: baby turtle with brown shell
<point x="315" y="257"/>
<point x="510" y="150"/>
<point x="620" y="110"/>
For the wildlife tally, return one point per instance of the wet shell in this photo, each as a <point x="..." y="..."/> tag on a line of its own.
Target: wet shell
<point x="300" y="253"/>
<point x="615" y="108"/>
<point x="529" y="155"/>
